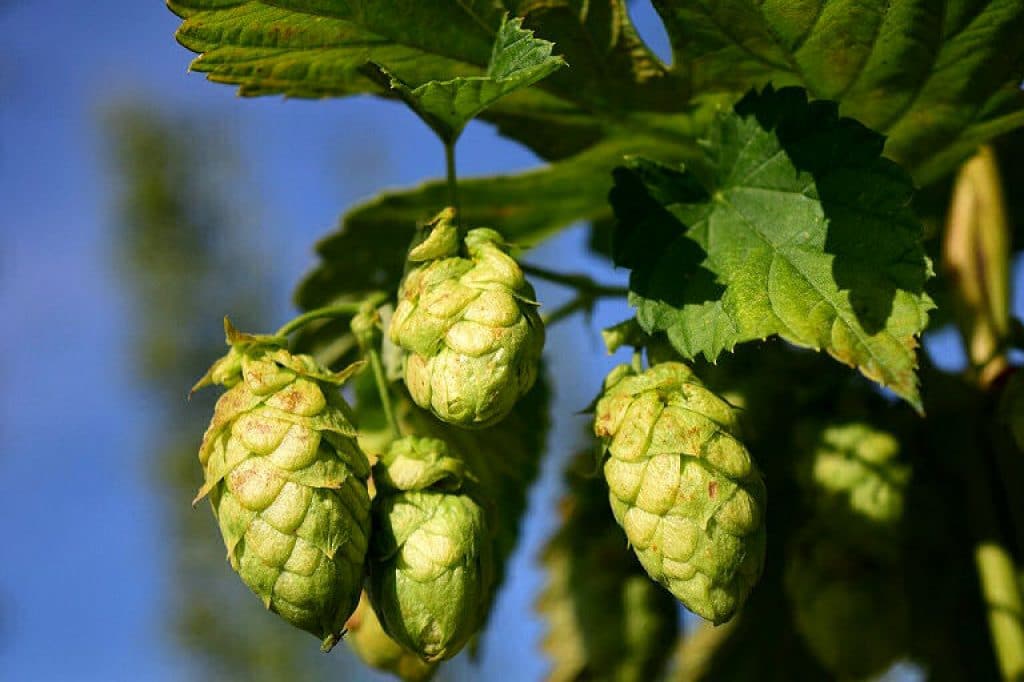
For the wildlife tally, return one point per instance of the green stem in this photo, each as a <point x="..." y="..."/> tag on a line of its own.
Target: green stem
<point x="576" y="281"/>
<point x="334" y="310"/>
<point x="385" y="395"/>
<point x="453" y="184"/>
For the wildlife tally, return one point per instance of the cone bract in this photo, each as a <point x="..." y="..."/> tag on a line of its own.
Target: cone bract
<point x="469" y="326"/>
<point x="431" y="553"/>
<point x="287" y="483"/>
<point x="682" y="486"/>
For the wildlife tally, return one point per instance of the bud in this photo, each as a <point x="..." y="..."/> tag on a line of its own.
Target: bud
<point x="287" y="482"/>
<point x="431" y="553"/>
<point x="469" y="326"/>
<point x="682" y="486"/>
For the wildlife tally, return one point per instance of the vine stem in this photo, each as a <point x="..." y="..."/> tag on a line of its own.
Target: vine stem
<point x="382" y="388"/>
<point x="453" y="183"/>
<point x="581" y="283"/>
<point x="333" y="310"/>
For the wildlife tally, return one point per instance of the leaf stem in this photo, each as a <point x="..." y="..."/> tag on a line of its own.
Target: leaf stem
<point x="581" y="283"/>
<point x="453" y="183"/>
<point x="333" y="310"/>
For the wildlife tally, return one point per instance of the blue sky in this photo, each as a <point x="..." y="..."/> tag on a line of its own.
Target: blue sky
<point x="83" y="580"/>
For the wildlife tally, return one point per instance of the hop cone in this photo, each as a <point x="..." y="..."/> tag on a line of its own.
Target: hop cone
<point x="682" y="486"/>
<point x="850" y="607"/>
<point x="367" y="638"/>
<point x="287" y="482"/>
<point x="853" y="475"/>
<point x="431" y="554"/>
<point x="606" y="619"/>
<point x="469" y="326"/>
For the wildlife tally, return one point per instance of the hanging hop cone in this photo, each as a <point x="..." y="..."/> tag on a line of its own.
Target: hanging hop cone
<point x="469" y="326"/>
<point x="850" y="607"/>
<point x="287" y="482"/>
<point x="431" y="554"/>
<point x="853" y="476"/>
<point x="682" y="486"/>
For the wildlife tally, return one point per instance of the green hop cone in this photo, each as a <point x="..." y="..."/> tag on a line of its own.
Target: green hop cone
<point x="854" y="477"/>
<point x="682" y="486"/>
<point x="850" y="607"/>
<point x="287" y="482"/>
<point x="469" y="326"/>
<point x="431" y="554"/>
<point x="372" y="645"/>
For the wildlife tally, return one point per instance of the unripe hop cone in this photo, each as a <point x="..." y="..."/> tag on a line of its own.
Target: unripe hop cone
<point x="431" y="561"/>
<point x="287" y="482"/>
<point x="850" y="607"/>
<point x="682" y="486"/>
<point x="467" y="319"/>
<point x="853" y="475"/>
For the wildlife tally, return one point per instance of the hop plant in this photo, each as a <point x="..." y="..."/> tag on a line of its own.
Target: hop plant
<point x="682" y="486"/>
<point x="469" y="325"/>
<point x="431" y="554"/>
<point x="367" y="638"/>
<point x="853" y="474"/>
<point x="287" y="482"/>
<point x="849" y="607"/>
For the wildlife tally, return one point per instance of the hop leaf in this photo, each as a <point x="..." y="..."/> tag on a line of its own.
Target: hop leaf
<point x="610" y="624"/>
<point x="469" y="326"/>
<point x="287" y="482"/>
<point x="850" y="608"/>
<point x="683" y="487"/>
<point x="430" y="556"/>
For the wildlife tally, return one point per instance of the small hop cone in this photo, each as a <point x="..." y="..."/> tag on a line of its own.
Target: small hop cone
<point x="468" y="325"/>
<point x="854" y="477"/>
<point x="849" y="607"/>
<point x="682" y="486"/>
<point x="372" y="645"/>
<point x="287" y="483"/>
<point x="431" y="554"/>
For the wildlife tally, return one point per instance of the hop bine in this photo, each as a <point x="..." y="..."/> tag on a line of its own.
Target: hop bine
<point x="431" y="561"/>
<point x="287" y="482"/>
<point x="682" y="486"/>
<point x="469" y="326"/>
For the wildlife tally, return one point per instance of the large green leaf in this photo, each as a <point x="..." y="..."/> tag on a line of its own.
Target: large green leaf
<point x="319" y="48"/>
<point x="937" y="77"/>
<point x="799" y="229"/>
